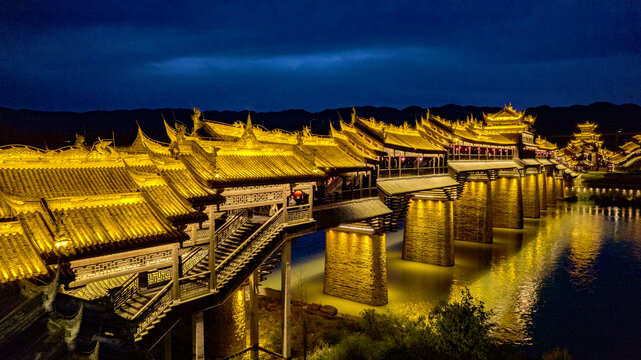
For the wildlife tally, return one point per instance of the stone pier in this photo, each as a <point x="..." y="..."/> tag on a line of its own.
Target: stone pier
<point x="551" y="196"/>
<point x="568" y="185"/>
<point x="558" y="188"/>
<point x="224" y="327"/>
<point x="543" y="203"/>
<point x="531" y="197"/>
<point x="507" y="203"/>
<point x="429" y="232"/>
<point x="473" y="212"/>
<point x="356" y="265"/>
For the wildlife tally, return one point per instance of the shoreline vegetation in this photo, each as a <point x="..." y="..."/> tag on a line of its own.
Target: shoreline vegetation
<point x="610" y="185"/>
<point x="460" y="329"/>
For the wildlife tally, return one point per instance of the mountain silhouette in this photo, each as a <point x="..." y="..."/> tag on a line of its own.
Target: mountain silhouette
<point x="55" y="129"/>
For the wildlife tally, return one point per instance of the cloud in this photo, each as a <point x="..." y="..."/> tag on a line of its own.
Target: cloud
<point x="199" y="65"/>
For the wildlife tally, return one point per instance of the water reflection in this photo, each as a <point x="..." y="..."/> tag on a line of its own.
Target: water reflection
<point x="507" y="275"/>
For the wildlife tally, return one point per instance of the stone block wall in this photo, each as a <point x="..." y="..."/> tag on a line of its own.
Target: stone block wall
<point x="531" y="197"/>
<point x="429" y="232"/>
<point x="356" y="266"/>
<point x="473" y="213"/>
<point x="507" y="203"/>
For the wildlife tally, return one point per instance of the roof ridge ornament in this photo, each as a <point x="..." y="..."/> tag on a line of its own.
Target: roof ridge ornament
<point x="102" y="147"/>
<point x="213" y="166"/>
<point x="80" y="141"/>
<point x="196" y="119"/>
<point x="248" y="137"/>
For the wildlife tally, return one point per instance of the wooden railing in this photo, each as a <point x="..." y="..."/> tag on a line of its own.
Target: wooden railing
<point x="230" y="226"/>
<point x="195" y="255"/>
<point x="242" y="252"/>
<point x="298" y="213"/>
<point x="198" y="284"/>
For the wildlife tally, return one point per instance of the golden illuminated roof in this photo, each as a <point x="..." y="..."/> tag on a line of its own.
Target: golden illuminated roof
<point x="149" y="156"/>
<point x="18" y="258"/>
<point x="544" y="144"/>
<point x="242" y="162"/>
<point x="470" y="130"/>
<point x="326" y="151"/>
<point x="247" y="161"/>
<point x="587" y="127"/>
<point x="172" y="205"/>
<point x="349" y="143"/>
<point x="403" y="137"/>
<point x="630" y="146"/>
<point x="435" y="133"/>
<point x="508" y="120"/>
<point x="86" y="225"/>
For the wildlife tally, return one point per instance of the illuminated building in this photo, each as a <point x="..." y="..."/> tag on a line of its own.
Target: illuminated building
<point x="148" y="234"/>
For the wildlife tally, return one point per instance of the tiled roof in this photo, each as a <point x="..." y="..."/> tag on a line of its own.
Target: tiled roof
<point x="18" y="258"/>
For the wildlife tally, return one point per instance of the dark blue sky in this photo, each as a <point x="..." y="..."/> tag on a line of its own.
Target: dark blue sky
<point x="265" y="55"/>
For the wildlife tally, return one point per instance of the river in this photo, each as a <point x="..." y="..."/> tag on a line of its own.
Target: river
<point x="571" y="279"/>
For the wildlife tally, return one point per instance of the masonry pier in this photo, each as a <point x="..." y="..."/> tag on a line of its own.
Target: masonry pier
<point x="473" y="211"/>
<point x="507" y="202"/>
<point x="429" y="232"/>
<point x="356" y="265"/>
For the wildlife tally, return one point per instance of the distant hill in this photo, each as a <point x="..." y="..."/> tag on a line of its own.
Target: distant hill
<point x="56" y="129"/>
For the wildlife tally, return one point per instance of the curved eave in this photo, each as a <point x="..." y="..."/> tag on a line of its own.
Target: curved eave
<point x="363" y="126"/>
<point x="416" y="150"/>
<point x="212" y="199"/>
<point x="190" y="218"/>
<point x="342" y="170"/>
<point x="114" y="247"/>
<point x="222" y="183"/>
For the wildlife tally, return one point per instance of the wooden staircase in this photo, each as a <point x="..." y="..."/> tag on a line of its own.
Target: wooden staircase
<point x="236" y="258"/>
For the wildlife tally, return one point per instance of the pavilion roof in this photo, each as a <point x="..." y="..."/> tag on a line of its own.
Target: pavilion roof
<point x="365" y="143"/>
<point x="403" y="137"/>
<point x="326" y="151"/>
<point x="246" y="161"/>
<point x="152" y="157"/>
<point x="77" y="227"/>
<point x="544" y="144"/>
<point x="354" y="147"/>
<point x="77" y="201"/>
<point x="630" y="146"/>
<point x="471" y="131"/>
<point x="18" y="258"/>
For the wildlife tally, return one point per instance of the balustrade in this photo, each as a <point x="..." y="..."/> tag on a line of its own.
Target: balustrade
<point x="198" y="284"/>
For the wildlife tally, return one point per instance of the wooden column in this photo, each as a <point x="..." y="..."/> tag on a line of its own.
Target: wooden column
<point x="175" y="272"/>
<point x="167" y="346"/>
<point x="194" y="227"/>
<point x="286" y="296"/>
<point x="311" y="201"/>
<point x="143" y="282"/>
<point x="212" y="250"/>
<point x="198" y="336"/>
<point x="285" y="195"/>
<point x="253" y="314"/>
<point x="369" y="185"/>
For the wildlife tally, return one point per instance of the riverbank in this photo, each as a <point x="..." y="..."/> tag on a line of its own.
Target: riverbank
<point x="529" y="278"/>
<point x="610" y="188"/>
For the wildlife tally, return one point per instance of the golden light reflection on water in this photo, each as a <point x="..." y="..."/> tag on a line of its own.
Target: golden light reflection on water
<point x="507" y="275"/>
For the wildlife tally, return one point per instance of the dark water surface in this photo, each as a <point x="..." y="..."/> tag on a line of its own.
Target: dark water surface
<point x="571" y="279"/>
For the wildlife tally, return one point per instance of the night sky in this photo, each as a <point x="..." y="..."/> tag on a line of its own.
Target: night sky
<point x="78" y="56"/>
